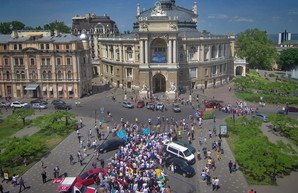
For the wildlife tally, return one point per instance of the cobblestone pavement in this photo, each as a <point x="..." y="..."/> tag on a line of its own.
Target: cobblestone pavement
<point x="59" y="156"/>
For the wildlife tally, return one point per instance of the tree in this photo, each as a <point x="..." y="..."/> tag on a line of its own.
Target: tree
<point x="254" y="45"/>
<point x="22" y="114"/>
<point x="8" y="27"/>
<point x="59" y="26"/>
<point x="288" y="59"/>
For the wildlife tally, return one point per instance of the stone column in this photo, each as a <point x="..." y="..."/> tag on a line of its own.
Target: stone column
<point x="170" y="52"/>
<point x="175" y="51"/>
<point x="114" y="52"/>
<point x="146" y="52"/>
<point x="141" y="52"/>
<point x="209" y="52"/>
<point x="217" y="51"/>
<point x="120" y="53"/>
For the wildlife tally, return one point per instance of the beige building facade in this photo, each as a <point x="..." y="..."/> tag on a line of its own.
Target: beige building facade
<point x="37" y="64"/>
<point x="165" y="52"/>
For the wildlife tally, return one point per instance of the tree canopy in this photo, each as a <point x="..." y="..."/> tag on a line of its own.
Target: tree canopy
<point x="8" y="27"/>
<point x="22" y="114"/>
<point x="56" y="25"/>
<point x="288" y="59"/>
<point x="254" y="45"/>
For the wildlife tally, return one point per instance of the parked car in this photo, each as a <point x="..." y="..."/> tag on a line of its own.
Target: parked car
<point x="183" y="143"/>
<point x="110" y="145"/>
<point x="39" y="106"/>
<point x="63" y="107"/>
<point x="5" y="104"/>
<point x="260" y="116"/>
<point x="89" y="177"/>
<point x="181" y="166"/>
<point x="176" y="108"/>
<point x="40" y="101"/>
<point x="17" y="104"/>
<point x="58" y="102"/>
<point x="281" y="112"/>
<point x="160" y="107"/>
<point x="127" y="104"/>
<point x="141" y="104"/>
<point x="292" y="109"/>
<point x="150" y="106"/>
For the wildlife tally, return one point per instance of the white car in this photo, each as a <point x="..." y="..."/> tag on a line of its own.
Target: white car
<point x="160" y="107"/>
<point x="18" y="104"/>
<point x="38" y="106"/>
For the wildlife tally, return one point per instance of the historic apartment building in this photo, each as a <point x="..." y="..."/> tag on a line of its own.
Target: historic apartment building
<point x="94" y="26"/>
<point x="165" y="52"/>
<point x="39" y="64"/>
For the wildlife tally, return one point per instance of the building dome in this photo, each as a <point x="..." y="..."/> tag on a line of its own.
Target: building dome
<point x="167" y="10"/>
<point x="83" y="36"/>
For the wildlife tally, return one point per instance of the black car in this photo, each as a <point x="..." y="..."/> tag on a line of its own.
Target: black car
<point x="40" y="101"/>
<point x="62" y="107"/>
<point x="181" y="166"/>
<point x="110" y="145"/>
<point x="58" y="102"/>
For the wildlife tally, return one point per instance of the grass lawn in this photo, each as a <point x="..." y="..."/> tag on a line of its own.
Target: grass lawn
<point x="9" y="127"/>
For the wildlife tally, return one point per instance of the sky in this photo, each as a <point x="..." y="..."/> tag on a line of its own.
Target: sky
<point x="215" y="16"/>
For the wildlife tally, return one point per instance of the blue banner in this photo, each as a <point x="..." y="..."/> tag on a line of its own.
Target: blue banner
<point x="159" y="58"/>
<point x="146" y="131"/>
<point x="122" y="134"/>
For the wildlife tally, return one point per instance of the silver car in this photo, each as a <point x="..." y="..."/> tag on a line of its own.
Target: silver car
<point x="260" y="116"/>
<point x="38" y="106"/>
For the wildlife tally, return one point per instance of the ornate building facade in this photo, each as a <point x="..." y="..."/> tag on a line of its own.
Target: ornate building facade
<point x="38" y="64"/>
<point x="94" y="26"/>
<point x="165" y="52"/>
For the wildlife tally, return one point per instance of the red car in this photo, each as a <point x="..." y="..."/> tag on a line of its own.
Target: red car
<point x="91" y="176"/>
<point x="214" y="103"/>
<point x="292" y="109"/>
<point x="140" y="104"/>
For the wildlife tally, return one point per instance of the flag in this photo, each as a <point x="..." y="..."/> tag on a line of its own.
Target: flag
<point x="122" y="134"/>
<point x="146" y="131"/>
<point x="157" y="125"/>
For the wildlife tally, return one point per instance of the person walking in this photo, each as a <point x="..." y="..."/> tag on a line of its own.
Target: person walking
<point x="44" y="176"/>
<point x="22" y="184"/>
<point x="71" y="159"/>
<point x="102" y="163"/>
<point x="216" y="182"/>
<point x="230" y="166"/>
<point x="1" y="188"/>
<point x="56" y="172"/>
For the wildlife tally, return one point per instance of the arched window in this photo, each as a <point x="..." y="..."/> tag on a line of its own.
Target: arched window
<point x="7" y="75"/>
<point x="44" y="75"/>
<point x="23" y="76"/>
<point x="49" y="75"/>
<point x="32" y="62"/>
<point x="129" y="53"/>
<point x="69" y="75"/>
<point x="191" y="54"/>
<point x="18" y="75"/>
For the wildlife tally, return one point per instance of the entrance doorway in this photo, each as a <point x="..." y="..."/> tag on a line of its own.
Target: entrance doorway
<point x="159" y="83"/>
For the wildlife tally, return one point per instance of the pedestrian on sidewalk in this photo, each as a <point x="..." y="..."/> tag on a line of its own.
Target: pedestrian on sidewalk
<point x="230" y="166"/>
<point x="71" y="159"/>
<point x="216" y="182"/>
<point x="81" y="123"/>
<point x="44" y="176"/>
<point x="22" y="184"/>
<point x="218" y="155"/>
<point x="102" y="163"/>
<point x="56" y="172"/>
<point x="199" y="155"/>
<point x="1" y="188"/>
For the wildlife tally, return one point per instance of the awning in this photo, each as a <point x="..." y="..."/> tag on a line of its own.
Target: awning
<point x="70" y="88"/>
<point x="44" y="88"/>
<point x="31" y="87"/>
<point x="60" y="88"/>
<point x="50" y="88"/>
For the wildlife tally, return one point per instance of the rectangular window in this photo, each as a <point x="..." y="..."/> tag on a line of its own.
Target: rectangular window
<point x="21" y="61"/>
<point x="214" y="70"/>
<point x="58" y="61"/>
<point x="193" y="72"/>
<point x="67" y="46"/>
<point x="5" y="47"/>
<point x="20" y="46"/>
<point x="16" y="61"/>
<point x="112" y="69"/>
<point x="57" y="46"/>
<point x="220" y="68"/>
<point x="42" y="46"/>
<point x="6" y="61"/>
<point x="32" y="62"/>
<point x="15" y="46"/>
<point x="8" y="90"/>
<point x="47" y="46"/>
<point x="191" y="56"/>
<point x="68" y="61"/>
<point x="129" y="72"/>
<point x="48" y="61"/>
<point x="43" y="61"/>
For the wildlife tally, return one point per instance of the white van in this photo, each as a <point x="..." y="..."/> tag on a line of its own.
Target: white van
<point x="180" y="151"/>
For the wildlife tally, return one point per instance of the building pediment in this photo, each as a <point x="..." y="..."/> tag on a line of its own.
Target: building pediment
<point x="30" y="49"/>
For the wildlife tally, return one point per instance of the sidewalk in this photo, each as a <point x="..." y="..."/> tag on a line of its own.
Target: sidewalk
<point x="59" y="156"/>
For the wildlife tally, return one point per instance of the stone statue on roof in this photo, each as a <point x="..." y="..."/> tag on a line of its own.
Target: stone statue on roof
<point x="157" y="11"/>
